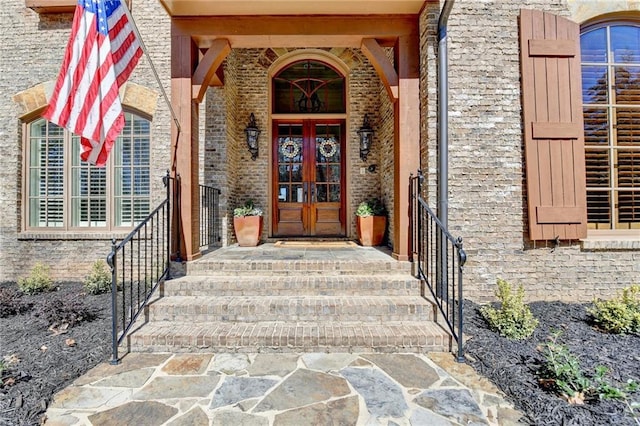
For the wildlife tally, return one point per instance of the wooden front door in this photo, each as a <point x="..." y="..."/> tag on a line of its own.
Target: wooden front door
<point x="308" y="185"/>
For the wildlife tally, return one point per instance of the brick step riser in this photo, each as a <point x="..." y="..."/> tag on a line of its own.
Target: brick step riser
<point x="259" y="337"/>
<point x="271" y="269"/>
<point x="206" y="314"/>
<point x="291" y="287"/>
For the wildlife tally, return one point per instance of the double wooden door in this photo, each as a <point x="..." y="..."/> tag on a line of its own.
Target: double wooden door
<point x="308" y="178"/>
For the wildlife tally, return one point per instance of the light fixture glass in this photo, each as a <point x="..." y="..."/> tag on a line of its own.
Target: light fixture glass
<point x="252" y="132"/>
<point x="366" y="138"/>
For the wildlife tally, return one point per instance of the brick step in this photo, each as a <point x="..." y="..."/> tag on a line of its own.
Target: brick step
<point x="217" y="267"/>
<point x="277" y="336"/>
<point x="377" y="309"/>
<point x="320" y="285"/>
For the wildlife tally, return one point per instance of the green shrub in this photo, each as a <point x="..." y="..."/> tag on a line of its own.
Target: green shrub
<point x="619" y="315"/>
<point x="38" y="281"/>
<point x="514" y="319"/>
<point x="248" y="209"/>
<point x="562" y="374"/>
<point x="99" y="279"/>
<point x="372" y="207"/>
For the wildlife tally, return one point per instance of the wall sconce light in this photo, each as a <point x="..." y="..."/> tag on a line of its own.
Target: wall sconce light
<point x="366" y="138"/>
<point x="252" y="132"/>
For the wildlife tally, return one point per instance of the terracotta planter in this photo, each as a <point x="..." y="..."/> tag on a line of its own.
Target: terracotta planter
<point x="371" y="229"/>
<point x="248" y="230"/>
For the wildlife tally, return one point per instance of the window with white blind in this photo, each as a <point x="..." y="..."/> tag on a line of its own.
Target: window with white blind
<point x="611" y="102"/>
<point x="64" y="193"/>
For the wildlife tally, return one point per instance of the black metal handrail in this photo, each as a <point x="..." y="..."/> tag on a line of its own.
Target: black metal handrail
<point x="440" y="260"/>
<point x="139" y="263"/>
<point x="209" y="216"/>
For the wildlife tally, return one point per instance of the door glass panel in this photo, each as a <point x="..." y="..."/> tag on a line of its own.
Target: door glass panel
<point x="334" y="173"/>
<point x="283" y="193"/>
<point x="321" y="193"/>
<point x="297" y="194"/>
<point x="290" y="161"/>
<point x="334" y="193"/>
<point x="328" y="155"/>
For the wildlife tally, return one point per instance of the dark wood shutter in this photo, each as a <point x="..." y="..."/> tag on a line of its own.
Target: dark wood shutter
<point x="553" y="126"/>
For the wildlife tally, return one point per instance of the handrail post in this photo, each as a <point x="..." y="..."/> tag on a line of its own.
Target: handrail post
<point x="166" y="179"/>
<point x="111" y="261"/>
<point x="462" y="258"/>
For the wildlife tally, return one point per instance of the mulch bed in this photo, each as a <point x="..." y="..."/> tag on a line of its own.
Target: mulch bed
<point x="513" y="365"/>
<point x="44" y="361"/>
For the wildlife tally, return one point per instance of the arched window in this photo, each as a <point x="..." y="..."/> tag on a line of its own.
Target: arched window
<point x="308" y="86"/>
<point x="63" y="193"/>
<point x="611" y="98"/>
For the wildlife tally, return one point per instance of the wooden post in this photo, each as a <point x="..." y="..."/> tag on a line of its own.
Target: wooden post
<point x="184" y="148"/>
<point x="406" y="144"/>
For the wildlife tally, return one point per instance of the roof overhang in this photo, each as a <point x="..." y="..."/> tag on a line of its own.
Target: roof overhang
<point x="178" y="8"/>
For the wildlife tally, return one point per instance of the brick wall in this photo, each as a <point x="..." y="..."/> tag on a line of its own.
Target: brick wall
<point x="32" y="49"/>
<point x="486" y="175"/>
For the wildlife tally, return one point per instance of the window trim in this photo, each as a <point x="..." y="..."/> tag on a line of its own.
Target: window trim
<point x="67" y="231"/>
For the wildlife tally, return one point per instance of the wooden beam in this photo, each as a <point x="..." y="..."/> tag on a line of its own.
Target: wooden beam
<point x="303" y="31"/>
<point x="205" y="73"/>
<point x="378" y="58"/>
<point x="55" y="6"/>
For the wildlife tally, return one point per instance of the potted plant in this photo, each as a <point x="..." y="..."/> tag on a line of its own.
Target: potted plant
<point x="371" y="222"/>
<point x="247" y="223"/>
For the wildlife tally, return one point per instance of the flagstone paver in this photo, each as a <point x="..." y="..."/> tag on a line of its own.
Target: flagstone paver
<point x="408" y="370"/>
<point x="135" y="413"/>
<point x="302" y="388"/>
<point x="247" y="389"/>
<point x="236" y="389"/>
<point x="342" y="412"/>
<point x="186" y="364"/>
<point x="178" y="387"/>
<point x="194" y="417"/>
<point x="383" y="397"/>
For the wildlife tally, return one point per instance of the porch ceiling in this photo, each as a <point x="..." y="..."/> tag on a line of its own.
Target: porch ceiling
<point x="290" y="7"/>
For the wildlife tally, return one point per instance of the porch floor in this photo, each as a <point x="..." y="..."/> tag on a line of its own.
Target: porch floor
<point x="301" y="250"/>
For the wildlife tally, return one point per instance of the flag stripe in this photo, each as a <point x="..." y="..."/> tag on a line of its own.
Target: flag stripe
<point x="101" y="54"/>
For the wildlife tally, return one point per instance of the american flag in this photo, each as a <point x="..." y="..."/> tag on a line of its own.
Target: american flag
<point x="100" y="56"/>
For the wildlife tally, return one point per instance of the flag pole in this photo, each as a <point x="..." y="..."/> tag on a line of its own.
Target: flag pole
<point x="153" y="68"/>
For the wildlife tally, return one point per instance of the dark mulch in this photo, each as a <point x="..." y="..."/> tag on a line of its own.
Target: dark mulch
<point x="47" y="362"/>
<point x="513" y="365"/>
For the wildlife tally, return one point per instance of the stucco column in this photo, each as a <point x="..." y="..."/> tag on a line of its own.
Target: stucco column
<point x="406" y="144"/>
<point x="184" y="147"/>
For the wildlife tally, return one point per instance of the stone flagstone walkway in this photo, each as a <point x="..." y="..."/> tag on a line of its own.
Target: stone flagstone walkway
<point x="282" y="389"/>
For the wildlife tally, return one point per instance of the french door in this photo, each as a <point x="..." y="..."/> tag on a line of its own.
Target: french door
<point x="308" y="178"/>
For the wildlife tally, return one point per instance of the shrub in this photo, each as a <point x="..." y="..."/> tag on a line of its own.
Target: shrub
<point x="372" y="207"/>
<point x="38" y="281"/>
<point x="11" y="302"/>
<point x="514" y="319"/>
<point x="59" y="311"/>
<point x="99" y="279"/>
<point x="618" y="315"/>
<point x="562" y="374"/>
<point x="248" y="209"/>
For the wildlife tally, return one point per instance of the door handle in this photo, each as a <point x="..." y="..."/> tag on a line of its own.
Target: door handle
<point x="305" y="192"/>
<point x="313" y="192"/>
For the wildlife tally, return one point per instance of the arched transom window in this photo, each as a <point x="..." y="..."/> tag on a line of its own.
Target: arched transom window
<point x="308" y="86"/>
